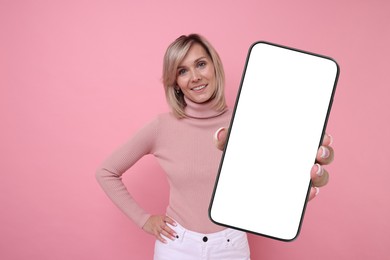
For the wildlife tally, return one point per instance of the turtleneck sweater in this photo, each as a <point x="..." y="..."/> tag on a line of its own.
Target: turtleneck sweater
<point x="185" y="150"/>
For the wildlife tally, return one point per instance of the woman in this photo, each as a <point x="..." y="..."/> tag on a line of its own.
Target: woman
<point x="193" y="79"/>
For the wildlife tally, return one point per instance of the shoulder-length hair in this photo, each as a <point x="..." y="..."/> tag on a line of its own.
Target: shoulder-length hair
<point x="174" y="55"/>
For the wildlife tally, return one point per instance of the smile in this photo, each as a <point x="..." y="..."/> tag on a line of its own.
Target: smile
<point x="199" y="88"/>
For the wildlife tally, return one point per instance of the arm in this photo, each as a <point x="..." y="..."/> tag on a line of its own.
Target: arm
<point x="109" y="174"/>
<point x="109" y="177"/>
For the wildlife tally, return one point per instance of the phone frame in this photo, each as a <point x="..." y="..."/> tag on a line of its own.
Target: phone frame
<point x="232" y="122"/>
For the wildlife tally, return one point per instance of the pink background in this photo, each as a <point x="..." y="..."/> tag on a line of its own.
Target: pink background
<point x="79" y="77"/>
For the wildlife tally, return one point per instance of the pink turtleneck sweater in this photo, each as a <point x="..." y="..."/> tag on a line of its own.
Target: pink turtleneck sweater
<point x="186" y="152"/>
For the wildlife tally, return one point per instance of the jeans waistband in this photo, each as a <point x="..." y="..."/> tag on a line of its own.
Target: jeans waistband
<point x="210" y="238"/>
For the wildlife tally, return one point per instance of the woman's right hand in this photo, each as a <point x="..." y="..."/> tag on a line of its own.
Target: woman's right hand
<point x="156" y="225"/>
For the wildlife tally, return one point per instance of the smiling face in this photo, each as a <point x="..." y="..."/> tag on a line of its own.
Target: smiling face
<point x="196" y="75"/>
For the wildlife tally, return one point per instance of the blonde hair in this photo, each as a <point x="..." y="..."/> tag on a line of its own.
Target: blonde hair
<point x="174" y="55"/>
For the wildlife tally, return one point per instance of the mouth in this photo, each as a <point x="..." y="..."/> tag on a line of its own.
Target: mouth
<point x="199" y="88"/>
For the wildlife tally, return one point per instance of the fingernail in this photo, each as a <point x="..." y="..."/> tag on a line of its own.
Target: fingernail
<point x="317" y="190"/>
<point x="324" y="152"/>
<point x="331" y="139"/>
<point x="320" y="170"/>
<point x="174" y="224"/>
<point x="217" y="134"/>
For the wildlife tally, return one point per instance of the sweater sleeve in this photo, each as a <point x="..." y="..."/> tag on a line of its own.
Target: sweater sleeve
<point x="109" y="174"/>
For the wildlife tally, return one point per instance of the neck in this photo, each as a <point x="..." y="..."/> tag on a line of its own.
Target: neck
<point x="201" y="110"/>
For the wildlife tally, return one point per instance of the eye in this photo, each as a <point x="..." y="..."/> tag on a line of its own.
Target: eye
<point x="181" y="72"/>
<point x="201" y="64"/>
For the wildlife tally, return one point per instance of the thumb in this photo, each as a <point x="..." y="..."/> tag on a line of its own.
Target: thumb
<point x="220" y="138"/>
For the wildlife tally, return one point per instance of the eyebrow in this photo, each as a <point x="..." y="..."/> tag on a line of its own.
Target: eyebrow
<point x="195" y="61"/>
<point x="198" y="59"/>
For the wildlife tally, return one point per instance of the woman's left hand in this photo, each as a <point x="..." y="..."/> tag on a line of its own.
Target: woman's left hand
<point x="319" y="175"/>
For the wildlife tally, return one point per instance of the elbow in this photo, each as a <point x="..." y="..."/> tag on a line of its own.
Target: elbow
<point x="102" y="174"/>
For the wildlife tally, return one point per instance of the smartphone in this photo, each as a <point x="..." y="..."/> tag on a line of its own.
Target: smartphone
<point x="278" y="124"/>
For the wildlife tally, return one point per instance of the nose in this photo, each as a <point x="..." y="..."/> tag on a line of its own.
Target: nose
<point x="195" y="76"/>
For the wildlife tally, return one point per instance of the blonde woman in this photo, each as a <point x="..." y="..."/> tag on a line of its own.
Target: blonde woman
<point x="193" y="79"/>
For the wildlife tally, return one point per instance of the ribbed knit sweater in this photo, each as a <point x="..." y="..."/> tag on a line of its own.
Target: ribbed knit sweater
<point x="186" y="152"/>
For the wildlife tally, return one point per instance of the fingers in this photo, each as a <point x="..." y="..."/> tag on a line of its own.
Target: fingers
<point x="319" y="176"/>
<point x="313" y="192"/>
<point x="158" y="226"/>
<point x="328" y="140"/>
<point x="170" y="221"/>
<point x="166" y="232"/>
<point x="220" y="138"/>
<point x="325" y="153"/>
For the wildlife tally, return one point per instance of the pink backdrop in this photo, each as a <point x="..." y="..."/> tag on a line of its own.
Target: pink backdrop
<point x="79" y="77"/>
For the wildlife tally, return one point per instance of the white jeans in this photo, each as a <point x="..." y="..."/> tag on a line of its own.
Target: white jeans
<point x="228" y="244"/>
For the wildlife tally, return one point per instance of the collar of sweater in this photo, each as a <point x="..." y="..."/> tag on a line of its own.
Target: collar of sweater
<point x="203" y="110"/>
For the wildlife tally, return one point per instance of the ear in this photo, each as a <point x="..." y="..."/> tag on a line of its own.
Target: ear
<point x="177" y="90"/>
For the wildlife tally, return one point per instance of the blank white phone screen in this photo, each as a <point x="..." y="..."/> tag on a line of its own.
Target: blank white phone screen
<point x="278" y="124"/>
